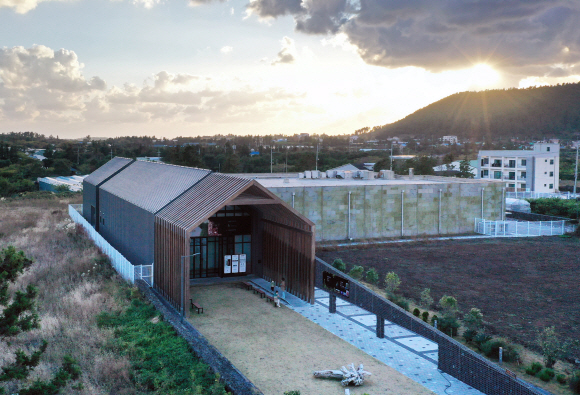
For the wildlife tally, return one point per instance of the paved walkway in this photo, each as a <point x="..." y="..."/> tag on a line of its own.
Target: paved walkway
<point x="408" y="353"/>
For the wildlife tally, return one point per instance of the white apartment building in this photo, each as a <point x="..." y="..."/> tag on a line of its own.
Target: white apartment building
<point x="450" y="139"/>
<point x="536" y="170"/>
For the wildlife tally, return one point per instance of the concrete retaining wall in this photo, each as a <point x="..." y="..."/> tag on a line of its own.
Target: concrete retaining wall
<point x="380" y="211"/>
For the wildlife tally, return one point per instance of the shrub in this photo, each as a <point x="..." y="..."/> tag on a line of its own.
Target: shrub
<point x="480" y="339"/>
<point x="425" y="316"/>
<point x="356" y="272"/>
<point x="392" y="282"/>
<point x="339" y="265"/>
<point x="552" y="347"/>
<point x="399" y="301"/>
<point x="546" y="374"/>
<point x="574" y="382"/>
<point x="473" y="320"/>
<point x="426" y="299"/>
<point x="469" y="335"/>
<point x="292" y="393"/>
<point x="372" y="276"/>
<point x="561" y="378"/>
<point x="448" y="325"/>
<point x="448" y="304"/>
<point x="491" y="349"/>
<point x="416" y="312"/>
<point x="534" y="369"/>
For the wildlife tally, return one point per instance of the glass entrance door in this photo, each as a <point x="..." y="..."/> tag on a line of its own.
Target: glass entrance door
<point x="212" y="250"/>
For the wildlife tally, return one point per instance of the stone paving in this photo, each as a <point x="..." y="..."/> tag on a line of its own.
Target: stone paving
<point x="401" y="349"/>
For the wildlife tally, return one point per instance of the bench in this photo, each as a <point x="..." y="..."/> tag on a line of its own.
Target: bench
<point x="247" y="285"/>
<point x="196" y="306"/>
<point x="259" y="291"/>
<point x="270" y="298"/>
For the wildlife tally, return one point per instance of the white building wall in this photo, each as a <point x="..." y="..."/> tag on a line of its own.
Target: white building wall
<point x="537" y="170"/>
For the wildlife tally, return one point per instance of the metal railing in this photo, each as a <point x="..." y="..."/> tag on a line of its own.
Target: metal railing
<point x="538" y="195"/>
<point x="522" y="228"/>
<point x="125" y="269"/>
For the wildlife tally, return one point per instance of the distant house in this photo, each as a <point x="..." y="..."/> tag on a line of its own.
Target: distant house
<point x="536" y="170"/>
<point x="449" y="139"/>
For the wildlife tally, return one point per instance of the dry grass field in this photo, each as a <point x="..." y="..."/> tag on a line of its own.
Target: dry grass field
<point x="278" y="349"/>
<point x="70" y="295"/>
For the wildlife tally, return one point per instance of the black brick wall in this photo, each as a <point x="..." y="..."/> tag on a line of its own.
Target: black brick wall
<point x="454" y="358"/>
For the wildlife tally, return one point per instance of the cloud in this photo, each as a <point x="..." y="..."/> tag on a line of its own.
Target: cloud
<point x="147" y="3"/>
<point x="40" y="80"/>
<point x="22" y="6"/>
<point x="514" y="35"/>
<point x="288" y="52"/>
<point x="39" y="83"/>
<point x="227" y="49"/>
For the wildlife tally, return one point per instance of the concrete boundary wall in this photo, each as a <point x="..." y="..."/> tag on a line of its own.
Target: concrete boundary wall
<point x="453" y="357"/>
<point x="234" y="380"/>
<point x="405" y="209"/>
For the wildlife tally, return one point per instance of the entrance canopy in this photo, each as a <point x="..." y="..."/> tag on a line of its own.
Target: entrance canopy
<point x="281" y="241"/>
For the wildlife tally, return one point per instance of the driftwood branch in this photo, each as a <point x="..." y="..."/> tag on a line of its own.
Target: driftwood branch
<point x="347" y="376"/>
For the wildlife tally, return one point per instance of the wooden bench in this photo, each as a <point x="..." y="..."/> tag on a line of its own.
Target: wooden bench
<point x="247" y="285"/>
<point x="196" y="306"/>
<point x="270" y="298"/>
<point x="259" y="291"/>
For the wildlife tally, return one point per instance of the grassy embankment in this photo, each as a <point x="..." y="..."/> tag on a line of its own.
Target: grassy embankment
<point x="87" y="311"/>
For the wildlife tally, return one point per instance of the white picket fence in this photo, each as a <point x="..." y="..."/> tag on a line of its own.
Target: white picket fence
<point x="522" y="228"/>
<point x="128" y="271"/>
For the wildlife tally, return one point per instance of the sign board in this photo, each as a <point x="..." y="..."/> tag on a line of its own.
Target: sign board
<point x="227" y="264"/>
<point x="235" y="263"/>
<point x="242" y="263"/>
<point x="336" y="284"/>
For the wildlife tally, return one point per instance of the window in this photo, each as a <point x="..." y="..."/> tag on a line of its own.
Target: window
<point x="511" y="185"/>
<point x="512" y="163"/>
<point x="497" y="175"/>
<point x="544" y="184"/>
<point x="551" y="174"/>
<point x="548" y="149"/>
<point x="484" y="173"/>
<point x="551" y="161"/>
<point x="523" y="175"/>
<point x="546" y="160"/>
<point x="484" y="161"/>
<point x="523" y="186"/>
<point x="512" y="175"/>
<point x="545" y="172"/>
<point x="496" y="163"/>
<point x="551" y="186"/>
<point x="524" y="162"/>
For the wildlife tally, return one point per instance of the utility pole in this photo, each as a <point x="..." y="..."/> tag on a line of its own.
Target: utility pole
<point x="316" y="157"/>
<point x="576" y="169"/>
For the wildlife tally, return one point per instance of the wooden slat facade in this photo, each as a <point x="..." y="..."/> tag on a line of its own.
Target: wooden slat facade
<point x="287" y="242"/>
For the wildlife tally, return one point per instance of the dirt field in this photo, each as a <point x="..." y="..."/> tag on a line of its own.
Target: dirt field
<point x="278" y="349"/>
<point x="521" y="285"/>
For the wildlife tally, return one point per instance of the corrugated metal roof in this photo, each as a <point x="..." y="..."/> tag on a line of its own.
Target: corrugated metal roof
<point x="152" y="186"/>
<point x="199" y="203"/>
<point x="107" y="170"/>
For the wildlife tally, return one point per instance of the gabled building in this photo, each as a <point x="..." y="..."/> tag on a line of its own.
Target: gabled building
<point x="535" y="170"/>
<point x="222" y="225"/>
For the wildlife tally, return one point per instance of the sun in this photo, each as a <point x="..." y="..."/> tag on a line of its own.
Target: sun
<point x="483" y="75"/>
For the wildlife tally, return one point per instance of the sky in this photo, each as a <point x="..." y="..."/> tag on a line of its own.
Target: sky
<point x="164" y="68"/>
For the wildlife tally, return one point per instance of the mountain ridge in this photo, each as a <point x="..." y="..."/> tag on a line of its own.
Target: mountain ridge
<point x="535" y="113"/>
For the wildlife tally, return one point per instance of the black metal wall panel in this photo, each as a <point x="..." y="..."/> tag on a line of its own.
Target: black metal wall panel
<point x="128" y="228"/>
<point x="89" y="199"/>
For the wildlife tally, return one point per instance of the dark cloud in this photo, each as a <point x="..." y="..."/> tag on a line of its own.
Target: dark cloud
<point x="276" y="8"/>
<point x="515" y="35"/>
